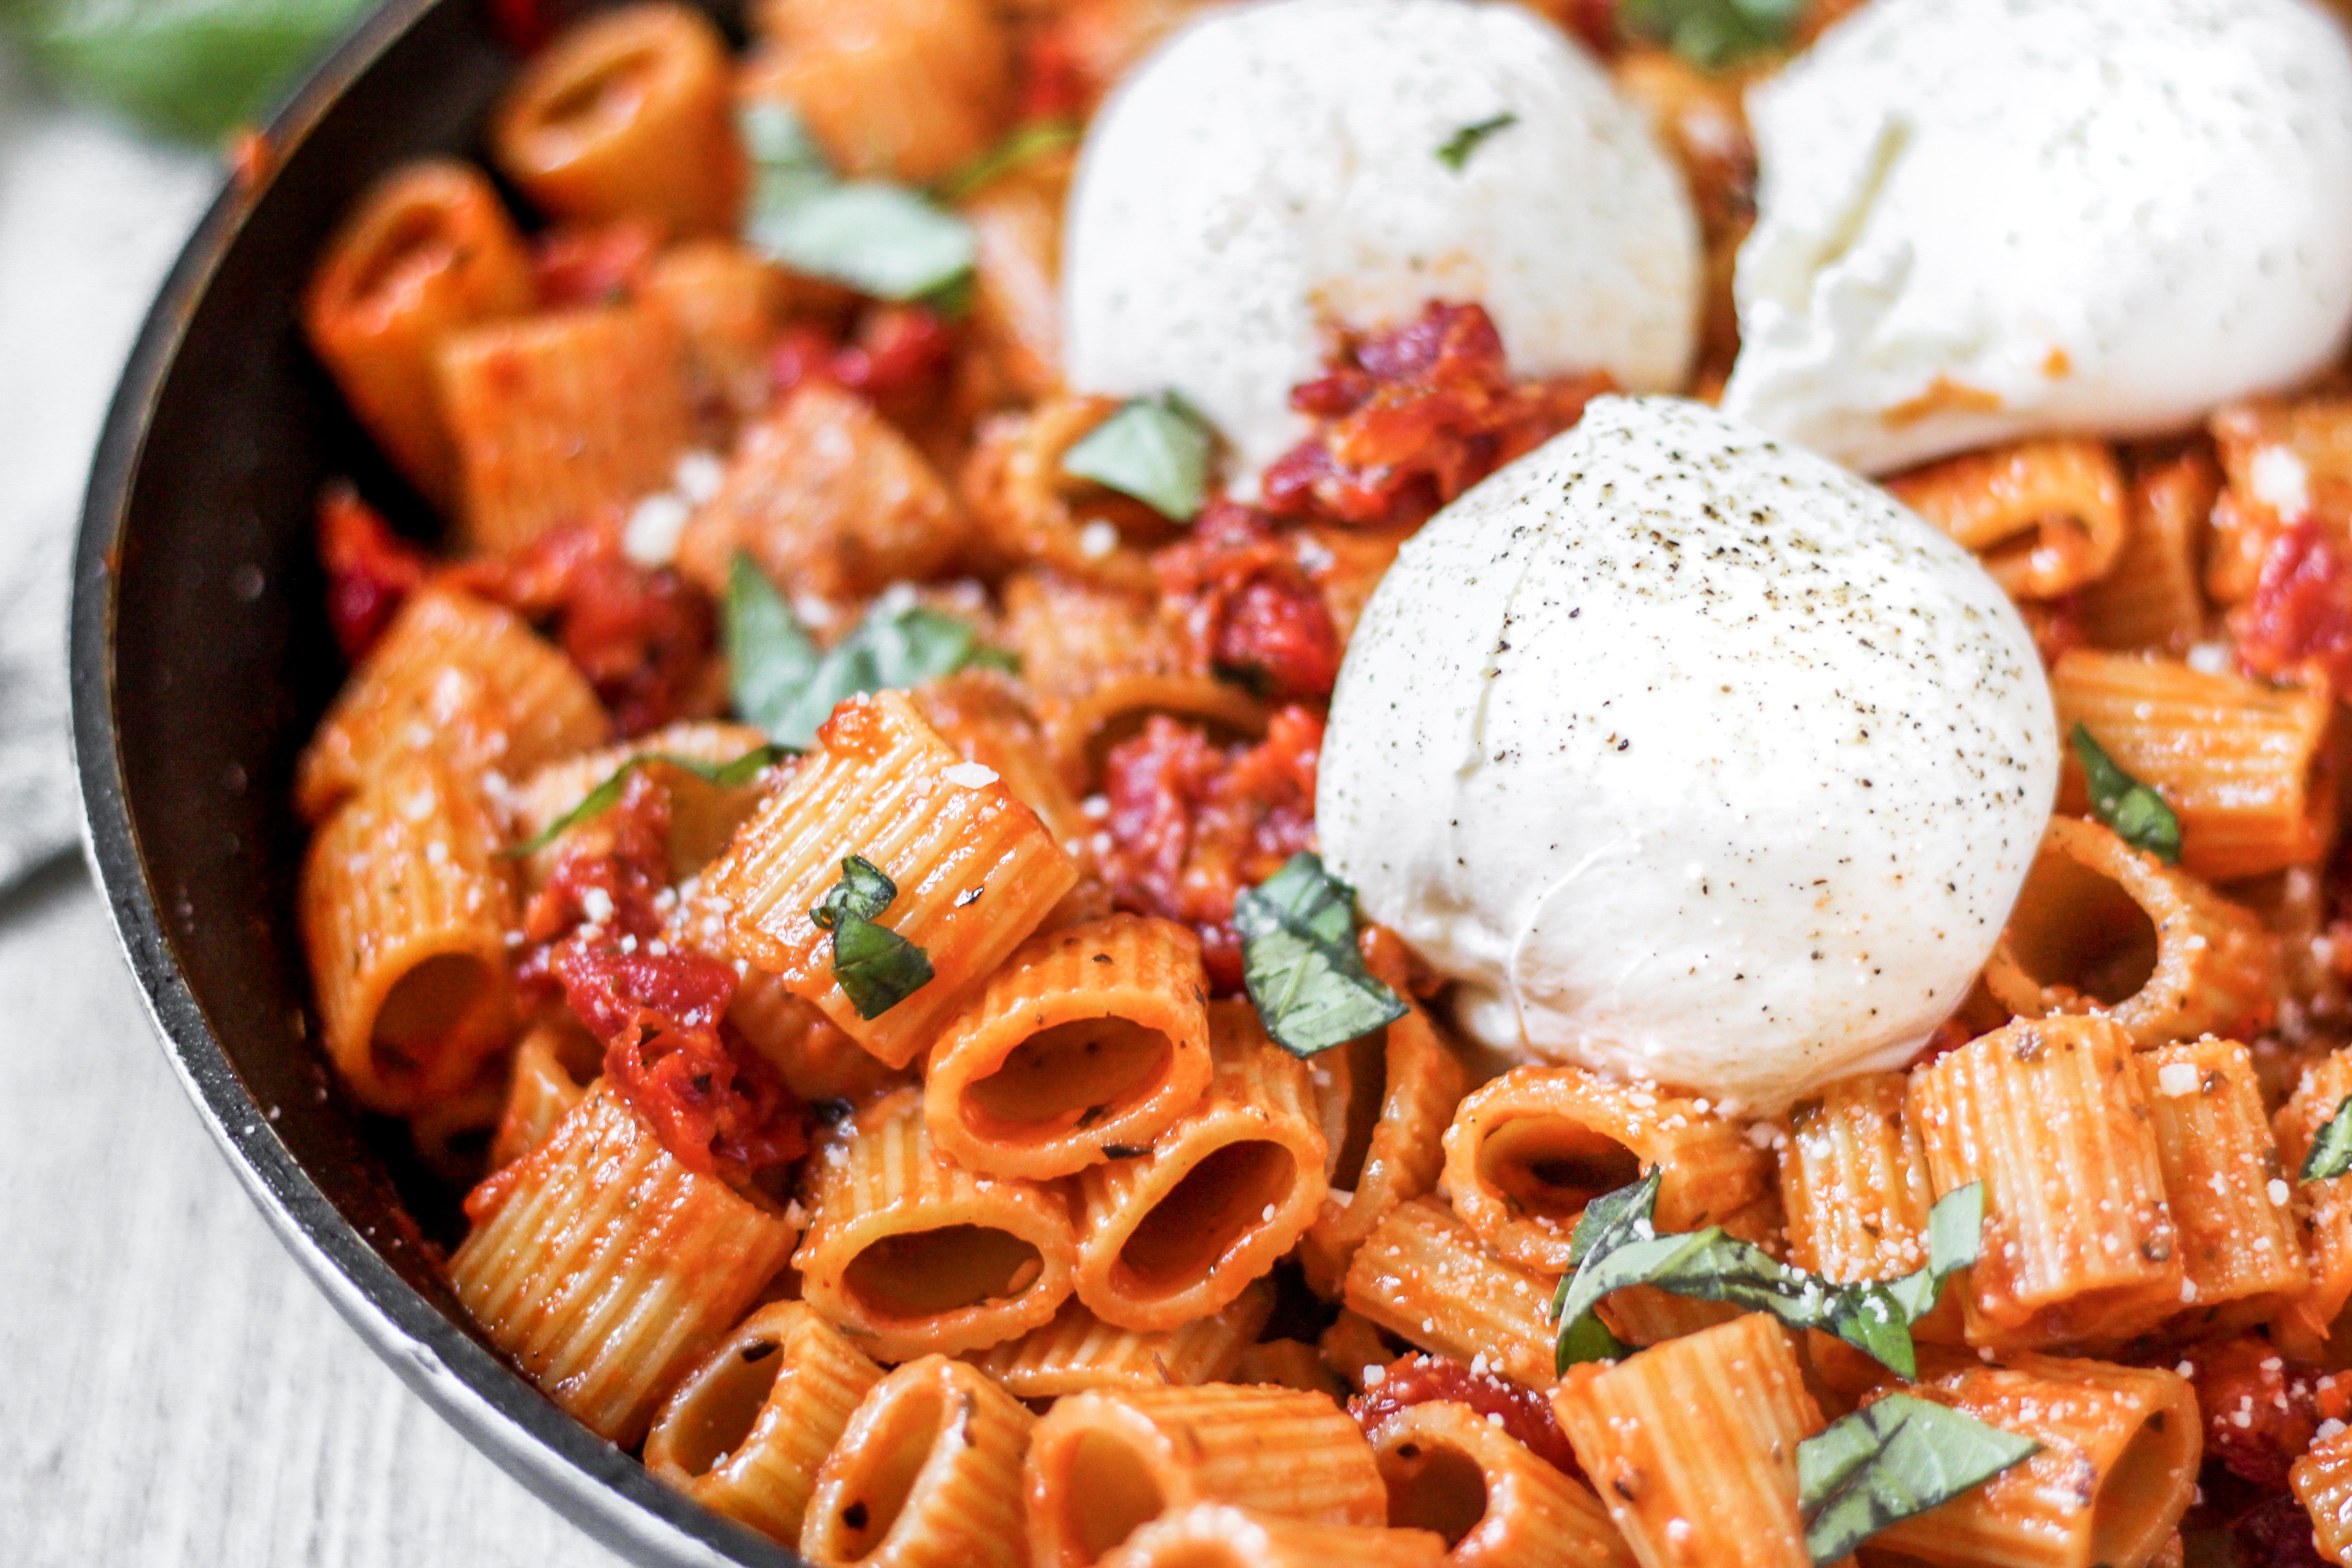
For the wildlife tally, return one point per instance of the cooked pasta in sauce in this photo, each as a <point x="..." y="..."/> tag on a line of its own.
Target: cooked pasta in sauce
<point x="844" y="831"/>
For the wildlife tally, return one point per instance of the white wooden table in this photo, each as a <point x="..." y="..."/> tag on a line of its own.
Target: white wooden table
<point x="173" y="1391"/>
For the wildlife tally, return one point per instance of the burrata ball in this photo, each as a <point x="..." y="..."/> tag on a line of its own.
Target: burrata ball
<point x="1692" y="757"/>
<point x="1280" y="172"/>
<point x="1980" y="219"/>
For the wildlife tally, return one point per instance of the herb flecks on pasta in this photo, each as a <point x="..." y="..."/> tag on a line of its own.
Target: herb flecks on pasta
<point x="875" y="966"/>
<point x="1890" y="1460"/>
<point x="605" y="795"/>
<point x="2331" y="1147"/>
<point x="1155" y="449"/>
<point x="1300" y="963"/>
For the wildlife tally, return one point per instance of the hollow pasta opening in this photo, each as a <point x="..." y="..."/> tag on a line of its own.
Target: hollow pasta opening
<point x="923" y="1273"/>
<point x="1368" y="1094"/>
<point x="2130" y="1512"/>
<point x="721" y="1405"/>
<point x="1550" y="1166"/>
<point x="601" y="98"/>
<point x="415" y="245"/>
<point x="438" y="1005"/>
<point x="1434" y="1487"/>
<point x="1071" y="1075"/>
<point x="2078" y="930"/>
<point x="882" y="1475"/>
<point x="1109" y="1492"/>
<point x="1220" y="1201"/>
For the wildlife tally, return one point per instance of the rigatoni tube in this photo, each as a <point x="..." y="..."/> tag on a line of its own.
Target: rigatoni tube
<point x="1103" y="1464"/>
<point x="1180" y="1229"/>
<point x="747" y="1430"/>
<point x="1091" y="1037"/>
<point x="911" y="1254"/>
<point x="927" y="1475"/>
<point x="1496" y="1504"/>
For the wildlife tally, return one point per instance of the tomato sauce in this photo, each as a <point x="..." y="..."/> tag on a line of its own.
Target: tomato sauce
<point x="1192" y="823"/>
<point x="1240" y="587"/>
<point x="2300" y="613"/>
<point x="370" y="569"/>
<point x="2262" y="1410"/>
<point x="1420" y="1379"/>
<point x="1409" y="417"/>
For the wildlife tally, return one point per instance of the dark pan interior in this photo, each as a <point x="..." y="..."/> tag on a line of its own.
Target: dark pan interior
<point x="200" y="657"/>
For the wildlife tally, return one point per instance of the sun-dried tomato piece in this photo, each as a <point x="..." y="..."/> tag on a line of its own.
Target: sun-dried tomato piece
<point x="1421" y="1379"/>
<point x="1239" y="586"/>
<point x="1411" y="417"/>
<point x="2262" y="1409"/>
<point x="1192" y="823"/>
<point x="370" y="569"/>
<point x="2300" y="612"/>
<point x="643" y="636"/>
<point x="593" y="263"/>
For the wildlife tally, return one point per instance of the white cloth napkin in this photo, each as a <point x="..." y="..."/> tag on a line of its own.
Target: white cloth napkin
<point x="90" y="217"/>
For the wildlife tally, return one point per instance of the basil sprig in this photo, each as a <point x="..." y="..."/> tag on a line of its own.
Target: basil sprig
<point x="1300" y="963"/>
<point x="878" y="239"/>
<point x="1155" y="449"/>
<point x="1895" y="1458"/>
<point x="876" y="968"/>
<point x="1456" y="149"/>
<point x="1038" y="138"/>
<point x="1616" y="1244"/>
<point x="1712" y="34"/>
<point x="597" y="801"/>
<point x="2331" y="1147"/>
<point x="787" y="686"/>
<point x="2136" y="812"/>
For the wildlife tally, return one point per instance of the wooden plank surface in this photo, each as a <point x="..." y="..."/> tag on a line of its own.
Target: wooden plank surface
<point x="172" y="1390"/>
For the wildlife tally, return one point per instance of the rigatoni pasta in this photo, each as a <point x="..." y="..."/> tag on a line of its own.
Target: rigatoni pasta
<point x="1425" y="1276"/>
<point x="605" y="1267"/>
<point x="1102" y="1464"/>
<point x="1496" y="1504"/>
<point x="2222" y="1178"/>
<point x="927" y="1475"/>
<point x="1208" y="1535"/>
<point x="1854" y="1180"/>
<point x="1077" y="1350"/>
<point x="912" y="1255"/>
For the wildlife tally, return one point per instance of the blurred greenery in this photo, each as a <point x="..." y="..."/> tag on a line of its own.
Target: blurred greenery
<point x="187" y="68"/>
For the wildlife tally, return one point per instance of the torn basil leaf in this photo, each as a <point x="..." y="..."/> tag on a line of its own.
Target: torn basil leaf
<point x="1300" y="964"/>
<point x="786" y="686"/>
<point x="875" y="967"/>
<point x="1038" y="138"/>
<point x="2136" y="812"/>
<point x="2331" y="1147"/>
<point x="1891" y="1460"/>
<point x="1155" y="449"/>
<point x="879" y="239"/>
<point x="1616" y="1244"/>
<point x="597" y="801"/>
<point x="1456" y="149"/>
<point x="1712" y="34"/>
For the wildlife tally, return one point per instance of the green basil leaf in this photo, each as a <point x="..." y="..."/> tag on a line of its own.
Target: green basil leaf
<point x="191" y="69"/>
<point x="1299" y="960"/>
<point x="1456" y="149"/>
<point x="1155" y="449"/>
<point x="1038" y="138"/>
<point x="2331" y="1147"/>
<point x="2136" y="813"/>
<point x="879" y="239"/>
<point x="1620" y="1247"/>
<point x="770" y="659"/>
<point x="786" y="162"/>
<point x="1890" y="1460"/>
<point x="597" y="801"/>
<point x="784" y="684"/>
<point x="1712" y="34"/>
<point x="875" y="967"/>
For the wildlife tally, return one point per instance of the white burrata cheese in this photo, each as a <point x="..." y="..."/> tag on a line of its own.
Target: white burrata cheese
<point x="1982" y="218"/>
<point x="1273" y="171"/>
<point x="1693" y="757"/>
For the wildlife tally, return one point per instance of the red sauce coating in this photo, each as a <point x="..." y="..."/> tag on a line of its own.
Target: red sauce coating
<point x="715" y="1104"/>
<point x="1410" y="417"/>
<point x="1419" y="1379"/>
<point x="644" y="636"/>
<point x="1192" y="823"/>
<point x="2261" y="1409"/>
<point x="370" y="569"/>
<point x="593" y="263"/>
<point x="899" y="358"/>
<point x="2275" y="1533"/>
<point x="1240" y="587"/>
<point x="2301" y="609"/>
